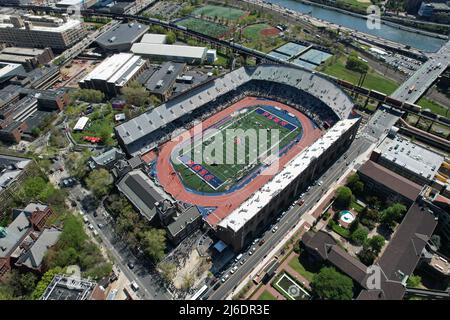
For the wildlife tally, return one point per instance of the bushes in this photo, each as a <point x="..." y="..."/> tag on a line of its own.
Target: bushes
<point x="359" y="236"/>
<point x="343" y="198"/>
<point x="45" y="281"/>
<point x="74" y="247"/>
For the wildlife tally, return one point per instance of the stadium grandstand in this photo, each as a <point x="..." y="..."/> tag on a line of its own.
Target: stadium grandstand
<point x="242" y="201"/>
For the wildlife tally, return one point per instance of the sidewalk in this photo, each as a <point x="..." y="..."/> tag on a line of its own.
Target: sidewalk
<point x="307" y="218"/>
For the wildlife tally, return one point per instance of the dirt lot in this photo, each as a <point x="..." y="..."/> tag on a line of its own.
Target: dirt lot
<point x="74" y="72"/>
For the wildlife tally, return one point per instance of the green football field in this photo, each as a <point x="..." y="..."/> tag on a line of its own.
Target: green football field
<point x="233" y="157"/>
<point x="206" y="27"/>
<point x="213" y="11"/>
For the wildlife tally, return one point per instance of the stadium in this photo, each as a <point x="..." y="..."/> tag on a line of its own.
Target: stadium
<point x="313" y="122"/>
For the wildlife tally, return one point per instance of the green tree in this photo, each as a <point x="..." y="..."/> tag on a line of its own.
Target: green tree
<point x="100" y="182"/>
<point x="171" y="37"/>
<point x="366" y="255"/>
<point x="376" y="243"/>
<point x="76" y="163"/>
<point x="413" y="281"/>
<point x="354" y="63"/>
<point x="154" y="243"/>
<point x="88" y="95"/>
<point x="359" y="236"/>
<point x="330" y="284"/>
<point x="45" y="281"/>
<point x="344" y="197"/>
<point x="135" y="94"/>
<point x="391" y="215"/>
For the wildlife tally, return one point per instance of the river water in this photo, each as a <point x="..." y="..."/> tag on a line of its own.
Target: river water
<point x="415" y="40"/>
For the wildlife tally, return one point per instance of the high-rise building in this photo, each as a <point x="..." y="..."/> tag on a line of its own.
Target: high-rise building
<point x="40" y="31"/>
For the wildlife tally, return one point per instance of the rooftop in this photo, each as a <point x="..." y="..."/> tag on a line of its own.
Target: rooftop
<point x="411" y="156"/>
<point x="239" y="217"/>
<point x="154" y="38"/>
<point x="391" y="180"/>
<point x="162" y="80"/>
<point x="168" y="50"/>
<point x="117" y="69"/>
<point x="10" y="168"/>
<point x="137" y="128"/>
<point x="142" y="192"/>
<point x="124" y="33"/>
<point x="185" y="218"/>
<point x="68" y="288"/>
<point x="42" y="23"/>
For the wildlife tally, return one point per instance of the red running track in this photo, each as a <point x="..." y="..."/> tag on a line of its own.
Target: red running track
<point x="226" y="203"/>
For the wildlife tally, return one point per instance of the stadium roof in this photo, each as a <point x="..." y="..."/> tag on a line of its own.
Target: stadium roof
<point x="137" y="130"/>
<point x="168" y="50"/>
<point x="122" y="34"/>
<point x="245" y="212"/>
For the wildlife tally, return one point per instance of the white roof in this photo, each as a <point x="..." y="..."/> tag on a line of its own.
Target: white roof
<point x="248" y="209"/>
<point x="379" y="51"/>
<point x="117" y="69"/>
<point x="81" y="123"/>
<point x="61" y="27"/>
<point x="168" y="50"/>
<point x="154" y="38"/>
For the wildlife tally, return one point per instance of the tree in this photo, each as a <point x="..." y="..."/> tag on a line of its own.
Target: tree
<point x="76" y="163"/>
<point x="88" y="95"/>
<point x="376" y="243"/>
<point x="154" y="243"/>
<point x="171" y="37"/>
<point x="135" y="94"/>
<point x="413" y="281"/>
<point x="344" y="197"/>
<point x="351" y="180"/>
<point x="359" y="236"/>
<point x="44" y="282"/>
<point x="366" y="255"/>
<point x="391" y="215"/>
<point x="100" y="182"/>
<point x="330" y="284"/>
<point x="354" y="63"/>
<point x="168" y="270"/>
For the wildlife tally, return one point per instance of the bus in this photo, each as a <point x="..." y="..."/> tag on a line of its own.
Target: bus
<point x="199" y="293"/>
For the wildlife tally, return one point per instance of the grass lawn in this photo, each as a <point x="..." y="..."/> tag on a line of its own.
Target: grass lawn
<point x="359" y="5"/>
<point x="345" y="233"/>
<point x="297" y="266"/>
<point x="222" y="172"/>
<point x="206" y="27"/>
<point x="373" y="80"/>
<point x="266" y="295"/>
<point x="254" y="31"/>
<point x="213" y="11"/>
<point x="433" y="106"/>
<point x="357" y="206"/>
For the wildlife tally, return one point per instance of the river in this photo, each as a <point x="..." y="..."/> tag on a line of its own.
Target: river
<point x="415" y="40"/>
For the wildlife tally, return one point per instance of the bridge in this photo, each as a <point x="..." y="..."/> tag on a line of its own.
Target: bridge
<point x="412" y="89"/>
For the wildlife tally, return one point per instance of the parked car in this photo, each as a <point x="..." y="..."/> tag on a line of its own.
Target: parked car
<point x="134" y="286"/>
<point x="262" y="242"/>
<point x="242" y="261"/>
<point x="225" y="278"/>
<point x="233" y="270"/>
<point x="130" y="265"/>
<point x="275" y="229"/>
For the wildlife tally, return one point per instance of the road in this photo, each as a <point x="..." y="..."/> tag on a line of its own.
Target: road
<point x="372" y="132"/>
<point x="416" y="86"/>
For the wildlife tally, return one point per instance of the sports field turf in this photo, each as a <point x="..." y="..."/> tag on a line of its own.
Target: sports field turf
<point x="213" y="11"/>
<point x="206" y="27"/>
<point x="222" y="167"/>
<point x="254" y="31"/>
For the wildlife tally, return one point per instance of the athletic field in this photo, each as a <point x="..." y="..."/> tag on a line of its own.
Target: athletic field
<point x="206" y="27"/>
<point x="213" y="11"/>
<point x="224" y="158"/>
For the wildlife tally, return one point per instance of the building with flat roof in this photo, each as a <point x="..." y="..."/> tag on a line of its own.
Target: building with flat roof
<point x="169" y="52"/>
<point x="121" y="37"/>
<point x="106" y="159"/>
<point x="29" y="58"/>
<point x="408" y="159"/>
<point x="16" y="2"/>
<point x="40" y="31"/>
<point x="114" y="73"/>
<point x="65" y="287"/>
<point x="154" y="38"/>
<point x="9" y="70"/>
<point x="162" y="80"/>
<point x="84" y="4"/>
